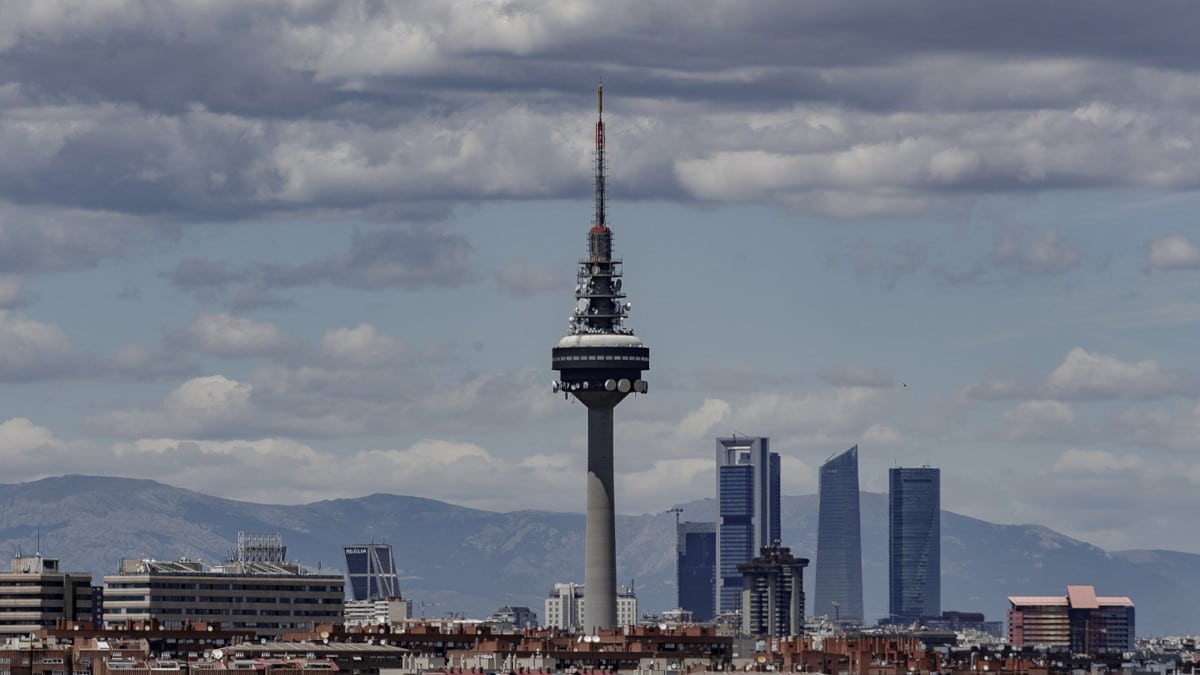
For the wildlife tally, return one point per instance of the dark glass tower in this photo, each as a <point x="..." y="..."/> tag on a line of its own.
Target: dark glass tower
<point x="839" y="588"/>
<point x="371" y="571"/>
<point x="914" y="544"/>
<point x="696" y="568"/>
<point x="600" y="362"/>
<point x="748" y="510"/>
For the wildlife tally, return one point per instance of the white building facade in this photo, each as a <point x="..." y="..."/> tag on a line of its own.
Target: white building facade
<point x="564" y="607"/>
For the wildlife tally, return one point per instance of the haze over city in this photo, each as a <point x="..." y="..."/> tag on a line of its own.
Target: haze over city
<point x="286" y="252"/>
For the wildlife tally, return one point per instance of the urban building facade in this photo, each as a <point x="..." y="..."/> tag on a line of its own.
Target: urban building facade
<point x="914" y="544"/>
<point x="379" y="612"/>
<point x="696" y="568"/>
<point x="1079" y="621"/>
<point x="518" y="617"/>
<point x="748" y="510"/>
<point x="566" y="607"/>
<point x="270" y="598"/>
<point x="838" y="588"/>
<point x="371" y="571"/>
<point x="35" y="594"/>
<point x="773" y="593"/>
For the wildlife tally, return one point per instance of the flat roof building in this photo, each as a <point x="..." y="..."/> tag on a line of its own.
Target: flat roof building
<point x="35" y="594"/>
<point x="1079" y="621"/>
<point x="268" y="597"/>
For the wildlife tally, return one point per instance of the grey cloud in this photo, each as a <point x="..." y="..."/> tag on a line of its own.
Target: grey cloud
<point x="203" y="275"/>
<point x="1046" y="254"/>
<point x="521" y="278"/>
<point x="224" y="111"/>
<point x="402" y="257"/>
<point x="34" y="241"/>
<point x="889" y="263"/>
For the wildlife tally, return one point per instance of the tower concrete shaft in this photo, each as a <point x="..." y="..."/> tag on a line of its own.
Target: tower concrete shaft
<point x="600" y="362"/>
<point x="600" y="541"/>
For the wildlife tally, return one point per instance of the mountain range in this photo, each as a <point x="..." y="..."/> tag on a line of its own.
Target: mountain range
<point x="453" y="559"/>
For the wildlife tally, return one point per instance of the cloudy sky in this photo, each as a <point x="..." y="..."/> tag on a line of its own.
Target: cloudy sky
<point x="289" y="251"/>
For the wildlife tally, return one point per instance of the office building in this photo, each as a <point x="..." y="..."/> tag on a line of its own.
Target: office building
<point x="391" y="611"/>
<point x="600" y="362"/>
<point x="258" y="590"/>
<point x="838" y="588"/>
<point x="567" y="604"/>
<point x="696" y="569"/>
<point x="35" y="593"/>
<point x="773" y="593"/>
<point x="1079" y="621"/>
<point x="748" y="510"/>
<point x="371" y="571"/>
<point x="914" y="544"/>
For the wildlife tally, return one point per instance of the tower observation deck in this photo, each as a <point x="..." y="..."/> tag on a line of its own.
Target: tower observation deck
<point x="600" y="362"/>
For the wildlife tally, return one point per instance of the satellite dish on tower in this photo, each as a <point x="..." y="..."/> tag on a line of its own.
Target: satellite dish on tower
<point x="582" y="305"/>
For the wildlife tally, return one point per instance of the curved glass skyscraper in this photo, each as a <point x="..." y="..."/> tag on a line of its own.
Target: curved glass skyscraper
<point x="914" y="544"/>
<point x="839" y="587"/>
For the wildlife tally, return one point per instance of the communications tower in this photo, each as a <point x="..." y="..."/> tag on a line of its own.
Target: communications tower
<point x="600" y="362"/>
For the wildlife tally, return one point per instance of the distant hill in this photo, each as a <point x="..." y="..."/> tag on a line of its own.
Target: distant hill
<point x="455" y="559"/>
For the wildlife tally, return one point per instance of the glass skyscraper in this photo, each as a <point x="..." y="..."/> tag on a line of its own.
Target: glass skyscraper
<point x="696" y="568"/>
<point x="839" y="588"/>
<point x="371" y="571"/>
<point x="748" y="510"/>
<point x="914" y="544"/>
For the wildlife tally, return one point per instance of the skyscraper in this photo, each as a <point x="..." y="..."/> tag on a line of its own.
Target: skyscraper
<point x="914" y="544"/>
<point x="600" y="361"/>
<point x="696" y="568"/>
<point x="839" y="588"/>
<point x="371" y="570"/>
<point x="748" y="510"/>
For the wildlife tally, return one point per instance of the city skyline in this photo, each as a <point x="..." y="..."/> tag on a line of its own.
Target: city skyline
<point x="325" y="243"/>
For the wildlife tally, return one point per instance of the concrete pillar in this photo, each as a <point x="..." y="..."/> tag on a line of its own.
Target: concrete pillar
<point x="600" y="545"/>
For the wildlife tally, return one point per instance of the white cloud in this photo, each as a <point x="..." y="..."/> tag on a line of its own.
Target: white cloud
<point x="33" y="350"/>
<point x="1085" y="462"/>
<point x="228" y="335"/>
<point x="1087" y="375"/>
<point x="1040" y="420"/>
<point x="1174" y="252"/>
<point x="363" y="346"/>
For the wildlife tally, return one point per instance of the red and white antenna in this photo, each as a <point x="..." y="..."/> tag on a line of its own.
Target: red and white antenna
<point x="600" y="216"/>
